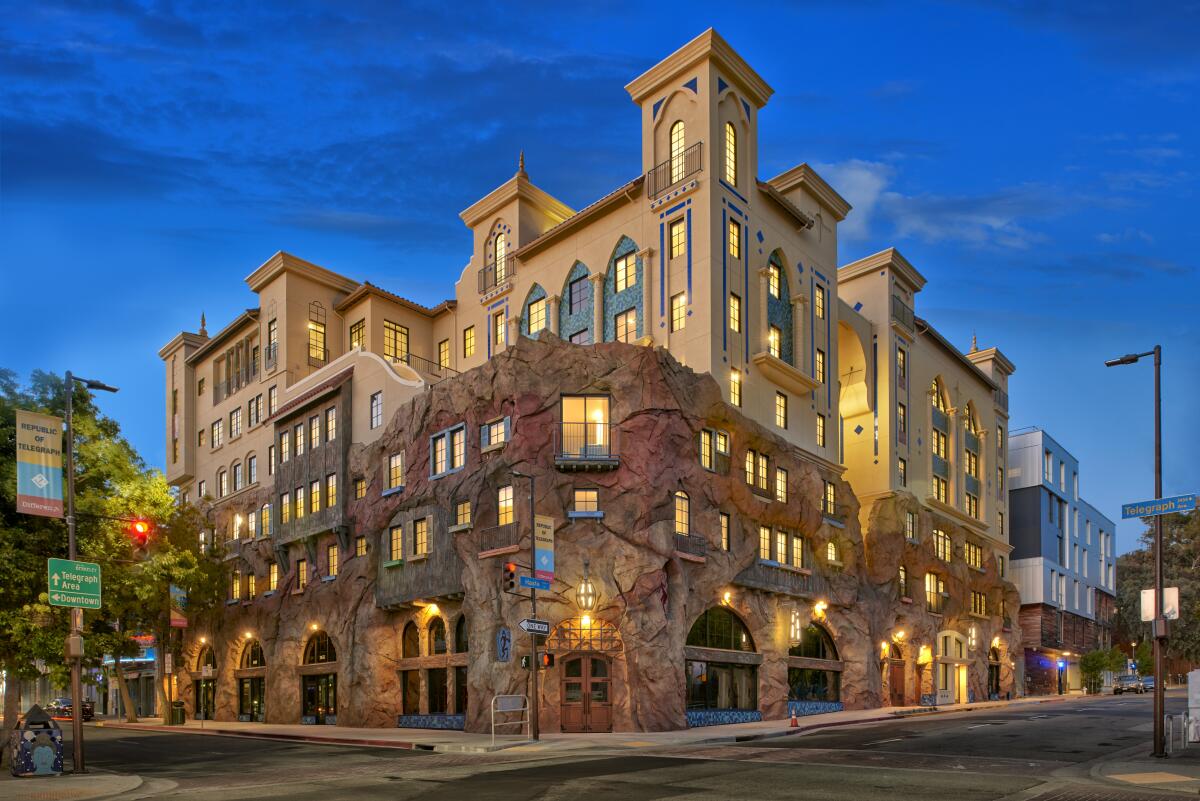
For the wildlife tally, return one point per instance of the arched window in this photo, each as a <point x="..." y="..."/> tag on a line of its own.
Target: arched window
<point x="891" y="650"/>
<point x="252" y="655"/>
<point x="833" y="551"/>
<point x="437" y="636"/>
<point x="730" y="154"/>
<point x="720" y="628"/>
<point x="319" y="649"/>
<point x="815" y="643"/>
<point x="683" y="524"/>
<point x="500" y="251"/>
<point x="937" y="396"/>
<point x="207" y="658"/>
<point x="410" y="641"/>
<point x="461" y="642"/>
<point x="677" y="148"/>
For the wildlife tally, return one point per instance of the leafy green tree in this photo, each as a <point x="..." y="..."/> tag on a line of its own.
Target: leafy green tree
<point x="1181" y="568"/>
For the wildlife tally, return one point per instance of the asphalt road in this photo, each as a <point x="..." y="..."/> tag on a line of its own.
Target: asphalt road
<point x="1025" y="752"/>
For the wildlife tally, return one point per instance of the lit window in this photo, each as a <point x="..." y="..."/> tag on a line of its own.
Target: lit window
<point x="468" y="341"/>
<point x="901" y="365"/>
<point x="936" y="397"/>
<point x="421" y="536"/>
<point x="829" y="500"/>
<point x="901" y="422"/>
<point x="314" y="432"/>
<point x="537" y="316"/>
<point x="458" y="448"/>
<point x="730" y="154"/>
<point x="678" y="236"/>
<point x="301" y="574"/>
<point x="331" y="424"/>
<point x="495" y="433"/>
<point x="500" y="328"/>
<point x="583" y="337"/>
<point x="273" y="577"/>
<point x="360" y="546"/>
<point x="902" y="471"/>
<point x="587" y="500"/>
<point x="764" y="543"/>
<point x="735" y="313"/>
<point x="819" y="302"/>
<point x="396" y="470"/>
<point x="939" y="443"/>
<point x="781" y="412"/>
<point x="316" y="342"/>
<point x="973" y="554"/>
<point x="585" y="426"/>
<point x="330" y="490"/>
<point x="723" y="442"/>
<point x="774" y="279"/>
<point x="781" y="540"/>
<point x="682" y="513"/>
<point x="272" y="400"/>
<point x="376" y="409"/>
<point x="832" y="552"/>
<point x="761" y="473"/>
<point x="678" y="146"/>
<point x="222" y="484"/>
<point x="940" y="488"/>
<point x="934" y="587"/>
<point x="943" y="548"/>
<point x="358" y="334"/>
<point x="821" y="365"/>
<point x="235" y="423"/>
<point x="298" y="438"/>
<point x="626" y="326"/>
<point x="797" y="551"/>
<point x="972" y="505"/>
<point x="265" y="517"/>
<point x="774" y="336"/>
<point x="978" y="602"/>
<point x="360" y="488"/>
<point x="735" y="387"/>
<point x="724" y="531"/>
<point x="504" y="506"/>
<point x="439" y="454"/>
<point x="462" y="513"/>
<point x="781" y="485"/>
<point x="500" y="254"/>
<point x="395" y="341"/>
<point x="396" y="543"/>
<point x="903" y="576"/>
<point x="625" y="274"/>
<point x="444" y="354"/>
<point x="820" y="431"/>
<point x="314" y="496"/>
<point x="237" y="476"/>
<point x="270" y="460"/>
<point x="678" y="311"/>
<point x="285" y="507"/>
<point x="251" y="585"/>
<point x="218" y="433"/>
<point x="750" y="462"/>
<point x="331" y="560"/>
<point x="735" y="240"/>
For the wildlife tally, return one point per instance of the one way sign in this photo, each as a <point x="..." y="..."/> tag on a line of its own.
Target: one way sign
<point x="533" y="626"/>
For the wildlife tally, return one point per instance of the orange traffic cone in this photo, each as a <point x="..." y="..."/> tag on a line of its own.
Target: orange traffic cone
<point x="795" y="723"/>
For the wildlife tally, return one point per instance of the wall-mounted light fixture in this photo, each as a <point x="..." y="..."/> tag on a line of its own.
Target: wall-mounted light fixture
<point x="586" y="596"/>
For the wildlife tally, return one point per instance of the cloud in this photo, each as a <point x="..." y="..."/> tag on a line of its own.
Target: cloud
<point x="1127" y="235"/>
<point x="862" y="183"/>
<point x="1120" y="266"/>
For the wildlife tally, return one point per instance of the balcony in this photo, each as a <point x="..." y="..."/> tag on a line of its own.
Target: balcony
<point x="490" y="278"/>
<point x="971" y="441"/>
<point x="586" y="446"/>
<point x="782" y="374"/>
<point x="902" y="313"/>
<point x="271" y="356"/>
<point x="940" y="467"/>
<point x="940" y="421"/>
<point x="774" y="577"/>
<point x="972" y="485"/>
<point x="691" y="546"/>
<point x="675" y="170"/>
<point x="240" y="378"/>
<point x="430" y="370"/>
<point x="499" y="540"/>
<point x="1002" y="399"/>
<point x="317" y="357"/>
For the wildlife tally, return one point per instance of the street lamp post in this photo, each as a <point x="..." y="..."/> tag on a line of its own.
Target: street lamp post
<point x="1160" y="624"/>
<point x="75" y="640"/>
<point x="534" y="723"/>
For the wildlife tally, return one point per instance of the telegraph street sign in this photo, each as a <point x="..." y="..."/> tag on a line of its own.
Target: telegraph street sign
<point x="531" y="583"/>
<point x="1158" y="506"/>
<point x="534" y="626"/>
<point x="73" y="583"/>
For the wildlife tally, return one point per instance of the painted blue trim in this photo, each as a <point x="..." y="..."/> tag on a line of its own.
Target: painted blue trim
<point x="724" y="282"/>
<point x="392" y="491"/>
<point x="833" y="522"/>
<point x="689" y="251"/>
<point x="692" y="84"/>
<point x="662" y="271"/>
<point x="828" y="350"/>
<point x="746" y="306"/>
<point x="746" y="106"/>
<point x="721" y="85"/>
<point x="328" y="578"/>
<point x="673" y="209"/>
<point x="734" y="191"/>
<point x="657" y="106"/>
<point x="578" y="515"/>
<point x="818" y="275"/>
<point x="446" y="432"/>
<point x="736" y="210"/>
<point x="875" y="388"/>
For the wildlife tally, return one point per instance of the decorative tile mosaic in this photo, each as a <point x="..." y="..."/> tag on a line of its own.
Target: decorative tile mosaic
<point x="447" y="722"/>
<point x="581" y="320"/>
<point x="630" y="298"/>
<point x="719" y="717"/>
<point x="802" y="708"/>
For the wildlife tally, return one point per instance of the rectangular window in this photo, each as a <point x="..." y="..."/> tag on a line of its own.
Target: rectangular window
<point x="273" y="577"/>
<point x="706" y="449"/>
<point x="251" y="585"/>
<point x="626" y="272"/>
<point x="468" y="344"/>
<point x="774" y="279"/>
<point x="901" y="423"/>
<point x="495" y="433"/>
<point x="797" y="551"/>
<point x="910" y="526"/>
<point x="331" y="490"/>
<point x="314" y="432"/>
<point x="972" y="505"/>
<point x="764" y="543"/>
<point x="301" y="574"/>
<point x="376" y="409"/>
<point x="829" y="505"/>
<point x="314" y="496"/>
<point x="901" y="365"/>
<point x="439" y="460"/>
<point x="500" y="328"/>
<point x="218" y="433"/>
<point x="331" y="424"/>
<point x="583" y="337"/>
<point x="1000" y="523"/>
<point x="724" y="531"/>
<point x="537" y="316"/>
<point x="331" y="560"/>
<point x="943" y="548"/>
<point x="252" y="469"/>
<point x="678" y="237"/>
<point x="200" y="437"/>
<point x="316" y="342"/>
<point x="750" y="462"/>
<point x="222" y="484"/>
<point x="903" y="580"/>
<point x="781" y="485"/>
<point x="265" y="518"/>
<point x="820" y="365"/>
<point x="978" y="602"/>
<point x="735" y="387"/>
<point x="285" y="507"/>
<point x="820" y="431"/>
<point x="626" y="326"/>
<point x="462" y="513"/>
<point x="1047" y="465"/>
<point x="735" y="313"/>
<point x="735" y="240"/>
<point x="360" y="488"/>
<point x="934" y="587"/>
<point x="723" y="443"/>
<point x="254" y="410"/>
<point x="298" y="438"/>
<point x="270" y="460"/>
<point x="200" y="387"/>
<point x="458" y="448"/>
<point x="774" y="338"/>
<point x="360" y="546"/>
<point x="939" y="443"/>
<point x="940" y="488"/>
<point x="683" y="514"/>
<point x="781" y="410"/>
<point x="761" y="462"/>
<point x="395" y="341"/>
<point x="421" y="536"/>
<point x="272" y="401"/>
<point x="973" y="554"/>
<point x="577" y="295"/>
<point x="902" y="471"/>
<point x="819" y="302"/>
<point x="358" y="334"/>
<point x="678" y="311"/>
<point x="504" y="506"/>
<point x="396" y="543"/>
<point x="396" y="470"/>
<point x="235" y="423"/>
<point x="781" y="540"/>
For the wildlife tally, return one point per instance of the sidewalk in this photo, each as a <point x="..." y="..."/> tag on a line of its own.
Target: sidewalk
<point x="1134" y="767"/>
<point x="66" y="787"/>
<point x="468" y="742"/>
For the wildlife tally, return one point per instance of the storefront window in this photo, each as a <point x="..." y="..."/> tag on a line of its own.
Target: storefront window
<point x="811" y="682"/>
<point x="720" y="685"/>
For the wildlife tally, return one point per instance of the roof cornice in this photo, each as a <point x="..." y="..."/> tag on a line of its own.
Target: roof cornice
<point x="183" y="339"/>
<point x="624" y="193"/>
<point x="806" y="177"/>
<point x="367" y="289"/>
<point x="285" y="262"/>
<point x="924" y="328"/>
<point x="774" y="194"/>
<point x="708" y="45"/>
<point x="239" y="322"/>
<point x="1002" y="361"/>
<point x="890" y="259"/>
<point x="517" y="187"/>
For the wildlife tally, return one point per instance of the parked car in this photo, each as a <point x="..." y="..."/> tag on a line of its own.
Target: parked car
<point x="61" y="708"/>
<point x="1148" y="683"/>
<point x="1128" y="684"/>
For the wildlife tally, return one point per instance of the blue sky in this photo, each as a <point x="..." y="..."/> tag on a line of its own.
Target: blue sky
<point x="1036" y="161"/>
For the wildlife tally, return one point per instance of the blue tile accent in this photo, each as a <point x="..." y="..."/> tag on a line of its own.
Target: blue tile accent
<point x="858" y="306"/>
<point x="736" y="210"/>
<point x="629" y="298"/>
<point x="724" y="280"/>
<point x="691" y="84"/>
<point x="818" y="275"/>
<point x="739" y="195"/>
<point x="572" y="514"/>
<point x="536" y="293"/>
<point x="858" y="429"/>
<point x="746" y="106"/>
<point x="779" y="312"/>
<point x="721" y="85"/>
<point x="719" y="717"/>
<point x="657" y="106"/>
<point x="803" y="708"/>
<point x="673" y="209"/>
<point x="928" y="699"/>
<point x="760" y="237"/>
<point x="746" y="306"/>
<point x="568" y="323"/>
<point x="444" y="722"/>
<point x="689" y="251"/>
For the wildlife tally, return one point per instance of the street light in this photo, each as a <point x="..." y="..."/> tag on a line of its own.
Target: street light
<point x="534" y="723"/>
<point x="1160" y="625"/>
<point x="75" y="640"/>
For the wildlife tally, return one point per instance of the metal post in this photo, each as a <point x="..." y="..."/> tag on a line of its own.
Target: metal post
<point x="534" y="706"/>
<point x="1160" y="624"/>
<point x="76" y="613"/>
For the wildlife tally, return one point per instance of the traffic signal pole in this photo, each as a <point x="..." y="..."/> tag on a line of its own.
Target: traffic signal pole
<point x="534" y="725"/>
<point x="1160" y="623"/>
<point x="75" y="639"/>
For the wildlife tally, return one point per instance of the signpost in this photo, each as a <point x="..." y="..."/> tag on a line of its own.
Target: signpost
<point x="1159" y="506"/>
<point x="73" y="583"/>
<point x="1170" y="604"/>
<point x="534" y="626"/>
<point x="531" y="583"/>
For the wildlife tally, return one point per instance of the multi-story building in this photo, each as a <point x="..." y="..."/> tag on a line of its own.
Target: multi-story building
<point x="923" y="428"/>
<point x="663" y="362"/>
<point x="1063" y="563"/>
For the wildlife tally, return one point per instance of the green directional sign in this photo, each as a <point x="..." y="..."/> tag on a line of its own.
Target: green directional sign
<point x="73" y="583"/>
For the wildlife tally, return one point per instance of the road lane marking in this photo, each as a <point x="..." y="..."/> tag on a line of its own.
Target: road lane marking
<point x="880" y="742"/>
<point x="977" y="725"/>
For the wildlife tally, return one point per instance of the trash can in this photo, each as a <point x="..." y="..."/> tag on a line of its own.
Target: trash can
<point x="177" y="714"/>
<point x="37" y="745"/>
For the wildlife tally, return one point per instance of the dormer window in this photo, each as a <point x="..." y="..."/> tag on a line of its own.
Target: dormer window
<point x="730" y="154"/>
<point x="677" y="148"/>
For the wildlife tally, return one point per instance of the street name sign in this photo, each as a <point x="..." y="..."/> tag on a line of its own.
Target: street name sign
<point x="534" y="626"/>
<point x="531" y="583"/>
<point x="1158" y="506"/>
<point x="73" y="583"/>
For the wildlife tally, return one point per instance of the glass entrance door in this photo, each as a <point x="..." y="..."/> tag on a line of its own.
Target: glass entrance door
<point x="319" y="694"/>
<point x="586" y="694"/>
<point x="206" y="698"/>
<point x="896" y="683"/>
<point x="251" y="695"/>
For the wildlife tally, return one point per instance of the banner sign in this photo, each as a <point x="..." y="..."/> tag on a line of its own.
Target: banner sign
<point x="1170" y="604"/>
<point x="178" y="605"/>
<point x="39" y="464"/>
<point x="543" y="547"/>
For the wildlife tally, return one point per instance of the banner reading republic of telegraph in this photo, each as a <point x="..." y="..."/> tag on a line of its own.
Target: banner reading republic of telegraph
<point x="39" y="464"/>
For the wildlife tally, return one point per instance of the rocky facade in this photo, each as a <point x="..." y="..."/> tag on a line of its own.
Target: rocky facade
<point x="653" y="583"/>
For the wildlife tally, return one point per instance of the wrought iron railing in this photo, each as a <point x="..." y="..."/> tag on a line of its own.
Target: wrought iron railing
<point x="490" y="277"/>
<point x="971" y="441"/>
<point x="425" y="366"/>
<point x="583" y="442"/>
<point x="675" y="170"/>
<point x="497" y="537"/>
<point x="1002" y="399"/>
<point x="940" y="467"/>
<point x="271" y="355"/>
<point x="774" y="577"/>
<point x="972" y="485"/>
<point x="903" y="313"/>
<point x="691" y="544"/>
<point x="940" y="421"/>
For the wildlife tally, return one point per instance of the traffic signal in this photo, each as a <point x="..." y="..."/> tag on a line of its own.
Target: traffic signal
<point x="510" y="576"/>
<point x="138" y="532"/>
<point x="547" y="660"/>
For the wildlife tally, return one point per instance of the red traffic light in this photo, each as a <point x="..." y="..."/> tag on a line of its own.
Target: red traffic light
<point x="139" y="532"/>
<point x="510" y="576"/>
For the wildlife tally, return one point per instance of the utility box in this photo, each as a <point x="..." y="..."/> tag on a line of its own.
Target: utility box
<point x="37" y="745"/>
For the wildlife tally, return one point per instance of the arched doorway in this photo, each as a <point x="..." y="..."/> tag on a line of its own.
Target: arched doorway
<point x="891" y="668"/>
<point x="951" y="668"/>
<point x="437" y="688"/>
<point x="410" y="679"/>
<point x="814" y="670"/>
<point x="206" y="685"/>
<point x="318" y="682"/>
<point x="252" y="683"/>
<point x="727" y="683"/>
<point x="586" y="645"/>
<point x="994" y="674"/>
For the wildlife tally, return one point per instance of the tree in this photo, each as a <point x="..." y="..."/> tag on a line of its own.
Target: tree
<point x="1181" y="568"/>
<point x="1094" y="664"/>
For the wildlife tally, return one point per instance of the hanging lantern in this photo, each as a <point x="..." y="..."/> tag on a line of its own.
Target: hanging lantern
<point x="795" y="628"/>
<point x="586" y="595"/>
